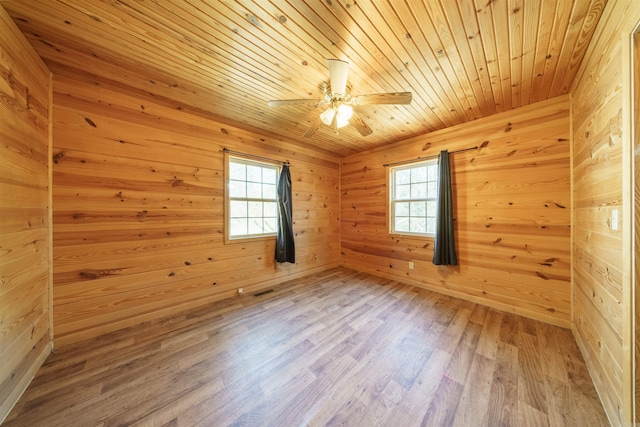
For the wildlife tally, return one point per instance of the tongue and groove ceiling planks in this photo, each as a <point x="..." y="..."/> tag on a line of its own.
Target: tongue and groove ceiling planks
<point x="462" y="60"/>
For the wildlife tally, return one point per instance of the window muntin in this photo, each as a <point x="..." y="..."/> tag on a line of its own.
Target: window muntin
<point x="251" y="198"/>
<point x="413" y="198"/>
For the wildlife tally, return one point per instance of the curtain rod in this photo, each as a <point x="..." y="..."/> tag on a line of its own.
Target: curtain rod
<point x="226" y="150"/>
<point x="428" y="157"/>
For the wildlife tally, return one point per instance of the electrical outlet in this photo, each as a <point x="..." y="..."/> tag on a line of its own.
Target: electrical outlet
<point x="411" y="265"/>
<point x="240" y="291"/>
<point x="614" y="220"/>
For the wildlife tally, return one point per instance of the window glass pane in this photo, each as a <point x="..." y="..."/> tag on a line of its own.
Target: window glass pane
<point x="255" y="209"/>
<point x="254" y="173"/>
<point x="402" y="223"/>
<point x="419" y="174"/>
<point x="418" y="225"/>
<point x="268" y="191"/>
<point x="254" y="191"/>
<point x="270" y="225"/>
<point x="255" y="226"/>
<point x="270" y="209"/>
<point x="269" y="176"/>
<point x="402" y="209"/>
<point x="431" y="208"/>
<point x="403" y="176"/>
<point x="238" y="226"/>
<point x="419" y="191"/>
<point x="238" y="209"/>
<point x="403" y="192"/>
<point x="432" y="172"/>
<point x="432" y="190"/>
<point x="237" y="189"/>
<point x="418" y="209"/>
<point x="237" y="171"/>
<point x="431" y="225"/>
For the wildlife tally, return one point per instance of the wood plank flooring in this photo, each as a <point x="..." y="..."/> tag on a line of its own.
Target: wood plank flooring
<point x="336" y="348"/>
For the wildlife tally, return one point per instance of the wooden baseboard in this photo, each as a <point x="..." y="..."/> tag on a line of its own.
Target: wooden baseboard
<point x="7" y="405"/>
<point x="442" y="290"/>
<point x="589" y="365"/>
<point x="62" y="340"/>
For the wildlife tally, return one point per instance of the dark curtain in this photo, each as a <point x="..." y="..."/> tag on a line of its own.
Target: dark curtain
<point x="445" y="248"/>
<point x="285" y="247"/>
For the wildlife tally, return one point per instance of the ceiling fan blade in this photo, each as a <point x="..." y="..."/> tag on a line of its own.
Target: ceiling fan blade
<point x="313" y="128"/>
<point x="357" y="122"/>
<point x="382" y="98"/>
<point x="338" y="75"/>
<point x="282" y="102"/>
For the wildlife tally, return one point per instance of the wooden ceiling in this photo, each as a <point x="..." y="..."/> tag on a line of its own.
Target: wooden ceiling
<point x="461" y="59"/>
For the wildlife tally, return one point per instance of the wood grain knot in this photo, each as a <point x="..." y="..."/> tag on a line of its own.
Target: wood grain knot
<point x="57" y="157"/>
<point x="95" y="274"/>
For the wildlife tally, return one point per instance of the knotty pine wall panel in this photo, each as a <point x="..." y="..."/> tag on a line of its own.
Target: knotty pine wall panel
<point x="512" y="212"/>
<point x="24" y="215"/>
<point x="602" y="296"/>
<point x="139" y="206"/>
<point x="635" y="274"/>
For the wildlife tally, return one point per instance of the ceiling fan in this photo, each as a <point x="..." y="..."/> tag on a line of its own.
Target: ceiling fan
<point x="340" y="103"/>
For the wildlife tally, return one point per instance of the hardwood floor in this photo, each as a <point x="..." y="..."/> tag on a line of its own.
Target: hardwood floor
<point x="337" y="348"/>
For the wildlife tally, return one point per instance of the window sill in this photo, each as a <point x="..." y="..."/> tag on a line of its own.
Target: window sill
<point x="248" y="239"/>
<point x="416" y="235"/>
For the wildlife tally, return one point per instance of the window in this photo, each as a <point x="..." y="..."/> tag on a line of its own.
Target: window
<point x="251" y="209"/>
<point x="413" y="198"/>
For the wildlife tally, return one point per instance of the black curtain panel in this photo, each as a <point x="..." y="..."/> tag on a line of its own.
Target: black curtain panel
<point x="285" y="247"/>
<point x="445" y="248"/>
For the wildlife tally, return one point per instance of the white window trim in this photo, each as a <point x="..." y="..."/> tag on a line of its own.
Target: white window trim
<point x="392" y="199"/>
<point x="227" y="199"/>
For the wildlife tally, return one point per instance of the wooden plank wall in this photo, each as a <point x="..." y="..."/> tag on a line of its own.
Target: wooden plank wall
<point x="24" y="216"/>
<point x="138" y="211"/>
<point x="635" y="143"/>
<point x="602" y="296"/>
<point x="512" y="199"/>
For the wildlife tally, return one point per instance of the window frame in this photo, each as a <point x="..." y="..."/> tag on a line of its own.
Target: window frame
<point x="392" y="200"/>
<point x="247" y="160"/>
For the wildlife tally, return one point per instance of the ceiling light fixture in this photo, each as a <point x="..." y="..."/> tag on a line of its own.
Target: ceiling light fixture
<point x="327" y="116"/>
<point x="337" y="102"/>
<point x="342" y="113"/>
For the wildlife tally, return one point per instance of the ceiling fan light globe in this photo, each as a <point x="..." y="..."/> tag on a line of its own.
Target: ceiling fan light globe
<point x="345" y="111"/>
<point x="327" y="116"/>
<point x="341" y="122"/>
